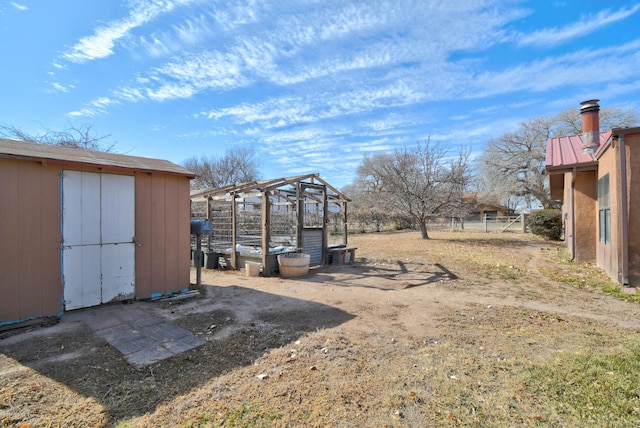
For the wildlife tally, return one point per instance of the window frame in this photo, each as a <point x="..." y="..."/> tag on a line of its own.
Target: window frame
<point x="604" y="209"/>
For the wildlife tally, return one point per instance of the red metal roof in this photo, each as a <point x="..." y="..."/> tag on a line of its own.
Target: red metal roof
<point x="565" y="152"/>
<point x="32" y="151"/>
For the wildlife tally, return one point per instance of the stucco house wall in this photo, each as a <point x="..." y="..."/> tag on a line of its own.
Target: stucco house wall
<point x="584" y="160"/>
<point x="580" y="194"/>
<point x="586" y="194"/>
<point x="567" y="213"/>
<point x="608" y="253"/>
<point x="633" y="207"/>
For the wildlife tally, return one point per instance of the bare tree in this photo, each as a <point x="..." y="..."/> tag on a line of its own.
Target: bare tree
<point x="569" y="122"/>
<point x="421" y="183"/>
<point x="83" y="137"/>
<point x="238" y="165"/>
<point x="513" y="165"/>
<point x="365" y="208"/>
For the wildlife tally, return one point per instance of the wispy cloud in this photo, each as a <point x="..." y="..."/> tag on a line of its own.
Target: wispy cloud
<point x="57" y="87"/>
<point x="317" y="74"/>
<point x="586" y="25"/>
<point x="376" y="146"/>
<point x="102" y="42"/>
<point x="192" y="31"/>
<point x="307" y="43"/>
<point x="19" y="6"/>
<point x="95" y="107"/>
<point x="583" y="68"/>
<point x="268" y="113"/>
<point x="287" y="111"/>
<point x="391" y="61"/>
<point x="320" y="84"/>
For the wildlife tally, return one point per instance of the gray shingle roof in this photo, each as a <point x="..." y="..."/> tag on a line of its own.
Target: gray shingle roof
<point x="44" y="152"/>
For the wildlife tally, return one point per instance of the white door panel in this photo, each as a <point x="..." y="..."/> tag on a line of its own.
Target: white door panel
<point x="98" y="225"/>
<point x="81" y="208"/>
<point x="82" y="276"/>
<point x="118" y="205"/>
<point x="90" y="208"/>
<point x="118" y="272"/>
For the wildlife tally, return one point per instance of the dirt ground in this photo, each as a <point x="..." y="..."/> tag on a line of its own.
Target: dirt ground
<point x="372" y="343"/>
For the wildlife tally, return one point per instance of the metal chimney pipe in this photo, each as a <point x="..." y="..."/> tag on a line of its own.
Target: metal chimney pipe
<point x="590" y="126"/>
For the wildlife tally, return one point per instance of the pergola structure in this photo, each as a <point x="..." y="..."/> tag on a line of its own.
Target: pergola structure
<point x="258" y="220"/>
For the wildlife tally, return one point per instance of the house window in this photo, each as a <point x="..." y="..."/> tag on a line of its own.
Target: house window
<point x="604" y="210"/>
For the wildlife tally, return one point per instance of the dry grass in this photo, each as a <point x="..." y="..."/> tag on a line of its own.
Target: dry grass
<point x="512" y="342"/>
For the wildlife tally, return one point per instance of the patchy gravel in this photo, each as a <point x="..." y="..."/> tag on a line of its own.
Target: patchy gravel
<point x="365" y="344"/>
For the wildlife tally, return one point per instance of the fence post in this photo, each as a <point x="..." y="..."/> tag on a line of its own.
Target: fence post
<point x="485" y="222"/>
<point x="523" y="222"/>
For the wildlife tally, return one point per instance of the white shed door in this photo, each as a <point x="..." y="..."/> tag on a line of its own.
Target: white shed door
<point x="98" y="223"/>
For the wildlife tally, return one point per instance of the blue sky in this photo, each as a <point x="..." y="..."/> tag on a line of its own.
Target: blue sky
<point x="312" y="85"/>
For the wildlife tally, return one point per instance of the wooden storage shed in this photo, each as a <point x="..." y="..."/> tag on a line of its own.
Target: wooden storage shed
<point x="257" y="221"/>
<point x="80" y="228"/>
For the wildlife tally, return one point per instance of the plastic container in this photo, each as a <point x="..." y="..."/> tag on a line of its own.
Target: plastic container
<point x="252" y="268"/>
<point x="211" y="260"/>
<point x="293" y="265"/>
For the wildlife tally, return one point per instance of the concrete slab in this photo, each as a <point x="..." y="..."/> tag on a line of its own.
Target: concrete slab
<point x="142" y="338"/>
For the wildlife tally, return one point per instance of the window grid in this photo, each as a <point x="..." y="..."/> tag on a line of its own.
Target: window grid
<point x="604" y="210"/>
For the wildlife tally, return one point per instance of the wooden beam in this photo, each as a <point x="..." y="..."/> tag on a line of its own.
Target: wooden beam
<point x="266" y="221"/>
<point x="325" y="232"/>
<point x="234" y="231"/>
<point x="300" y="216"/>
<point x="208" y="217"/>
<point x="344" y="222"/>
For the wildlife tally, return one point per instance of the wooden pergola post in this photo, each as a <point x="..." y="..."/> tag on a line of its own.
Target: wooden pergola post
<point x="208" y="217"/>
<point x="344" y="222"/>
<point x="300" y="220"/>
<point x="266" y="232"/>
<point x="325" y="222"/>
<point x="234" y="230"/>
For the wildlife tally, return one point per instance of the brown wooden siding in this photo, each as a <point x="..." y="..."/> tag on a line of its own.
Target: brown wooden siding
<point x="158" y="219"/>
<point x="184" y="231"/>
<point x="162" y="233"/>
<point x="144" y="235"/>
<point x="30" y="276"/>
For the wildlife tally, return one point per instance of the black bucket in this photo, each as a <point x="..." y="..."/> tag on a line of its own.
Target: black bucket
<point x="211" y="260"/>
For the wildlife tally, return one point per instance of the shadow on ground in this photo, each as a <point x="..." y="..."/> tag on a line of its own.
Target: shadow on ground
<point x="238" y="325"/>
<point x="388" y="276"/>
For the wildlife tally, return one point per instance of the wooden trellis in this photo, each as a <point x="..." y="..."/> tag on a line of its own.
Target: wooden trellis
<point x="256" y="221"/>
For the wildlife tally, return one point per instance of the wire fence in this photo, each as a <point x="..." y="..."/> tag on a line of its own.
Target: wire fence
<point x="488" y="224"/>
